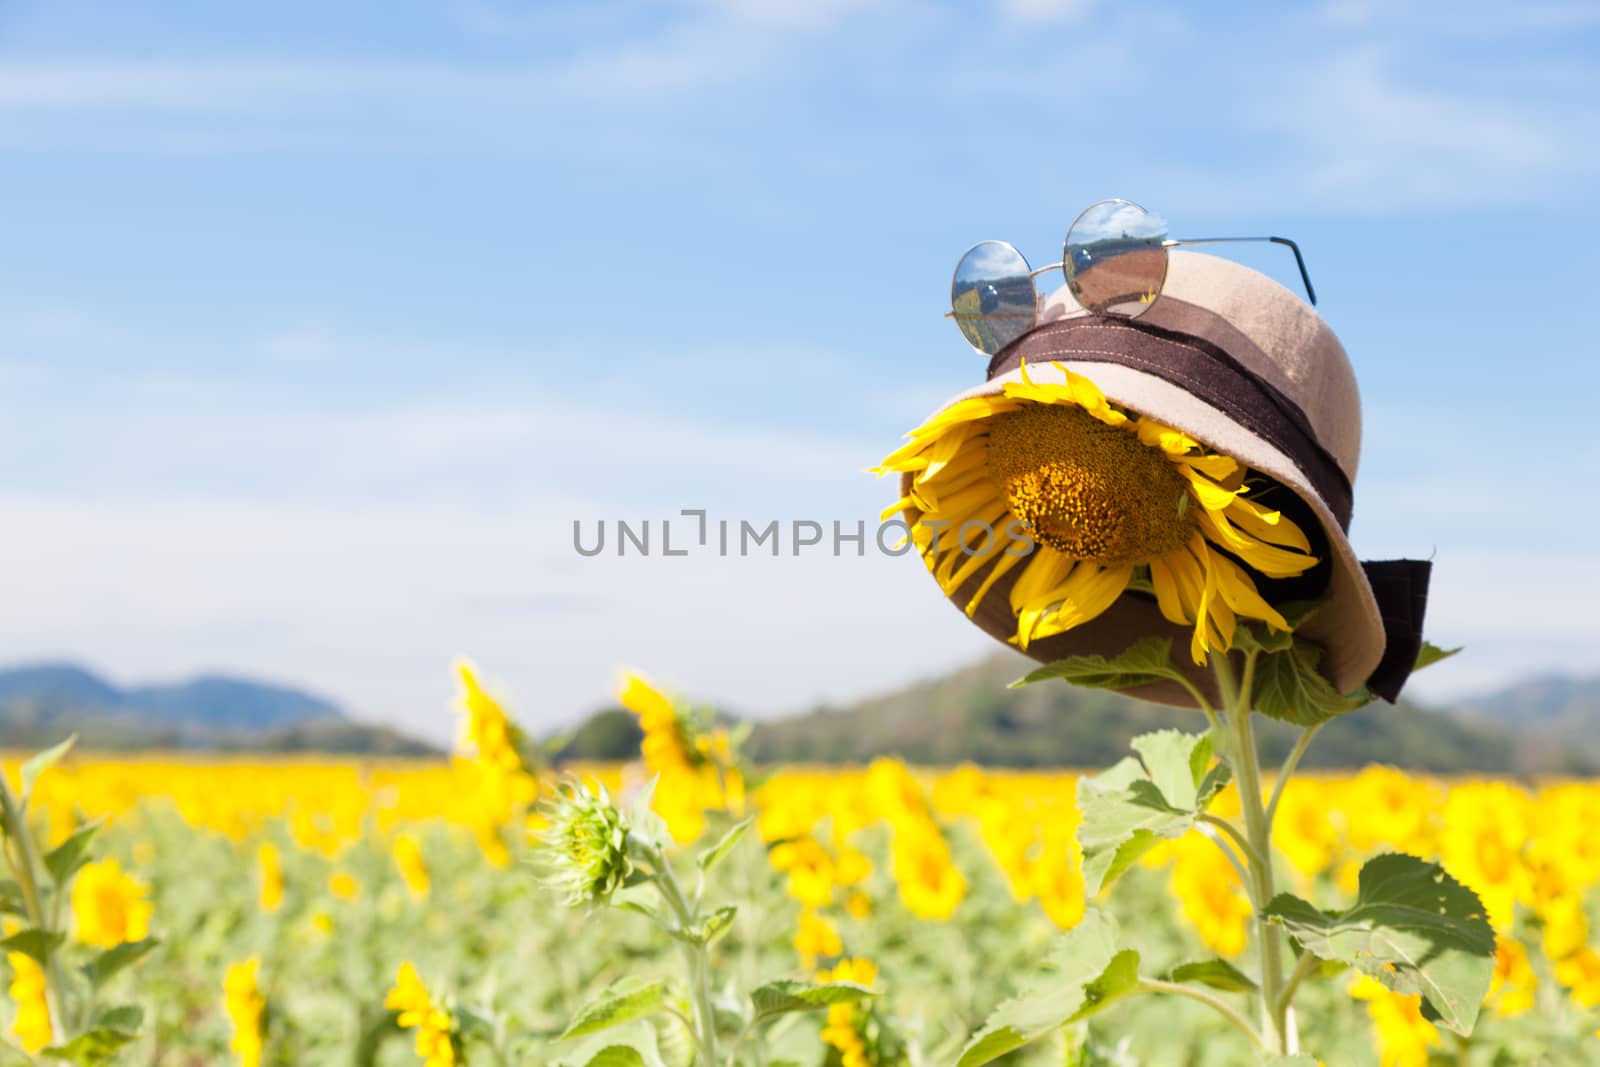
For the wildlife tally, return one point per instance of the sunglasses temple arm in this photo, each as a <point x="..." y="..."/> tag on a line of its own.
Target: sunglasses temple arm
<point x="1300" y="260"/>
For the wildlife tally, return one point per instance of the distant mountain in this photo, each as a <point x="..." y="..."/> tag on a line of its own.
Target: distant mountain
<point x="234" y="702"/>
<point x="969" y="714"/>
<point x="41" y="703"/>
<point x="1550" y="712"/>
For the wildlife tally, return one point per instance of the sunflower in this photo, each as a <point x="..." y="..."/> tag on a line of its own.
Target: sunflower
<point x="1086" y="501"/>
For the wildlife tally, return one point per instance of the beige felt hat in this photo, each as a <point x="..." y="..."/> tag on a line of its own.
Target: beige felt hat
<point x="1248" y="368"/>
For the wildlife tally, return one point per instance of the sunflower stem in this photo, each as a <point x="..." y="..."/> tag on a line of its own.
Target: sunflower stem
<point x="695" y="951"/>
<point x="1247" y="770"/>
<point x="21" y="856"/>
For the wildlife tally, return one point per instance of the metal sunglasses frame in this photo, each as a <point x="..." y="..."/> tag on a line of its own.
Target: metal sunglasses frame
<point x="1166" y="243"/>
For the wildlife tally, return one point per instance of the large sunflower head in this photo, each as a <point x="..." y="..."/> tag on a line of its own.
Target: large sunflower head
<point x="1044" y="508"/>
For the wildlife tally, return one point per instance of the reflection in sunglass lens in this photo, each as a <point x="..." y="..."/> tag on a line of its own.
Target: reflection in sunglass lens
<point x="992" y="296"/>
<point x="1114" y="260"/>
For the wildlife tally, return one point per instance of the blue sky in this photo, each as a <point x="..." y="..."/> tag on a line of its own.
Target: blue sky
<point x="319" y="324"/>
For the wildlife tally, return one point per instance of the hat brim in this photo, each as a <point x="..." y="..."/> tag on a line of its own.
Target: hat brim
<point x="1348" y="626"/>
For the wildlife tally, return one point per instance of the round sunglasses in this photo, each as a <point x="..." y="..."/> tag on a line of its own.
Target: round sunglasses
<point x="1114" y="260"/>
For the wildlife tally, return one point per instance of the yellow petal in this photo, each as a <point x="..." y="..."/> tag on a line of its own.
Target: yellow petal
<point x="1004" y="564"/>
<point x="1269" y="560"/>
<point x="1160" y="435"/>
<point x="1165" y="584"/>
<point x="1267" y="525"/>
<point x="1211" y="495"/>
<point x="1212" y="466"/>
<point x="1240" y="593"/>
<point x="1046" y="569"/>
<point x="1089" y="591"/>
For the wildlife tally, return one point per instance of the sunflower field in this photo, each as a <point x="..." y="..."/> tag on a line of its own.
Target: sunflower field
<point x="685" y="908"/>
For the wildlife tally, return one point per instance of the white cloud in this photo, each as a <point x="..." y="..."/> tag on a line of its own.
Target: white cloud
<point x="1365" y="137"/>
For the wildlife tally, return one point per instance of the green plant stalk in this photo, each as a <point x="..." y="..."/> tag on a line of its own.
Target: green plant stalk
<point x="1176" y="989"/>
<point x="699" y="964"/>
<point x="20" y="853"/>
<point x="1247" y="770"/>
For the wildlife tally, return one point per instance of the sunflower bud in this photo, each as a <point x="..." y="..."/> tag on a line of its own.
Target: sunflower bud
<point x="586" y="844"/>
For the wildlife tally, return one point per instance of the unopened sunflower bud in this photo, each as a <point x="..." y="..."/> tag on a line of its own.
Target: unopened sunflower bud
<point x="586" y="845"/>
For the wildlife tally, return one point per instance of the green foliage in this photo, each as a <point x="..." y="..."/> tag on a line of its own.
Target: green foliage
<point x="628" y="999"/>
<point x="1413" y="927"/>
<point x="36" y="944"/>
<point x="1289" y="686"/>
<point x="1218" y="974"/>
<point x="36" y="765"/>
<point x="85" y="1035"/>
<point x="1432" y="653"/>
<point x="67" y="858"/>
<point x="11" y="898"/>
<point x="787" y="997"/>
<point x="715" y="854"/>
<point x="1143" y="662"/>
<point x="1089" y="973"/>
<point x="92" y="1048"/>
<point x="1129" y="809"/>
<point x="117" y="958"/>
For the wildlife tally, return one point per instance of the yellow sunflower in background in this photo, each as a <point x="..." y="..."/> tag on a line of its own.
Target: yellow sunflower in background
<point x="1108" y="500"/>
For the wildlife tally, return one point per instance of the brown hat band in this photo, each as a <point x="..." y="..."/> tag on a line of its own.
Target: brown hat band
<point x="1201" y="368"/>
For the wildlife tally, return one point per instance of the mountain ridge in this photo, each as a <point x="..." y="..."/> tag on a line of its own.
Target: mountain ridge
<point x="42" y="701"/>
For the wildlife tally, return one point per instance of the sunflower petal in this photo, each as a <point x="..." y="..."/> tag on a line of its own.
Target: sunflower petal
<point x="1267" y="525"/>
<point x="1239" y="592"/>
<point x="1165" y="584"/>
<point x="1159" y="435"/>
<point x="1006" y="561"/>
<point x="1270" y="560"/>
<point x="1088" y="592"/>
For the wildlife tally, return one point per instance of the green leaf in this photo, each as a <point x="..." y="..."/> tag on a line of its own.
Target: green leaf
<point x="717" y="923"/>
<point x="43" y="761"/>
<point x="12" y="902"/>
<point x="1143" y="662"/>
<point x="1432" y="653"/>
<point x="117" y="958"/>
<point x="1413" y="927"/>
<point x="65" y="859"/>
<point x="616" y="1056"/>
<point x="1297" y="1060"/>
<point x="1130" y="808"/>
<point x="715" y="854"/>
<point x="624" y="1001"/>
<point x="36" y="944"/>
<point x="93" y="1048"/>
<point x="1289" y="687"/>
<point x="127" y="1017"/>
<point x="629" y="1045"/>
<point x="1251" y="637"/>
<point x="1176" y="763"/>
<point x="786" y="996"/>
<point x="1120" y="978"/>
<point x="1089" y="974"/>
<point x="1218" y="974"/>
<point x="475" y="1024"/>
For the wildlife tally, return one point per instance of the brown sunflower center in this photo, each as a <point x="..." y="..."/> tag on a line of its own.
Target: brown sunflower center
<point x="1092" y="491"/>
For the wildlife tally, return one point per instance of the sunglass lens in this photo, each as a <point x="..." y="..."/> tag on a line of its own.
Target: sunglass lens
<point x="1115" y="260"/>
<point x="992" y="296"/>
